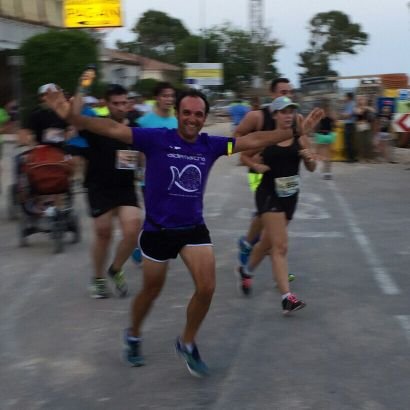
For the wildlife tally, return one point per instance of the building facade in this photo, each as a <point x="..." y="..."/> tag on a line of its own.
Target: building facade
<point x="20" y="20"/>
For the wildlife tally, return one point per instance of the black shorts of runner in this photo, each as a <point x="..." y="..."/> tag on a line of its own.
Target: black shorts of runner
<point x="165" y="244"/>
<point x="103" y="200"/>
<point x="270" y="202"/>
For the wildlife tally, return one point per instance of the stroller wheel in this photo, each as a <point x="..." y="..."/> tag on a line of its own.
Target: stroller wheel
<point x="57" y="234"/>
<point x="22" y="232"/>
<point x="74" y="227"/>
<point x="12" y="204"/>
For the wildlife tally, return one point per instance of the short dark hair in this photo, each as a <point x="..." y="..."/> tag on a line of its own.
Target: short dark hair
<point x="276" y="81"/>
<point x="161" y="86"/>
<point x="114" y="89"/>
<point x="350" y="95"/>
<point x="191" y="93"/>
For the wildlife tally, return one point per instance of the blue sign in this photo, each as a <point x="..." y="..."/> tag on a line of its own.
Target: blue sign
<point x="404" y="94"/>
<point x="386" y="101"/>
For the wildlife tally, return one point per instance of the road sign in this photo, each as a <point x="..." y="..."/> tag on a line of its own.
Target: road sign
<point x="404" y="94"/>
<point x="92" y="13"/>
<point x="204" y="73"/>
<point x="401" y="122"/>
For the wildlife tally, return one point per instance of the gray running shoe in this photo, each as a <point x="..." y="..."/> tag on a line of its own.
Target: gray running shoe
<point x="121" y="287"/>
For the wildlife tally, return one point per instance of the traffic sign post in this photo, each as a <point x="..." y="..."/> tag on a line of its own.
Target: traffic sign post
<point x="401" y="122"/>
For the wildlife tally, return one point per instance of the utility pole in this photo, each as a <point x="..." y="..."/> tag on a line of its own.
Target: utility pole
<point x="202" y="41"/>
<point x="256" y="28"/>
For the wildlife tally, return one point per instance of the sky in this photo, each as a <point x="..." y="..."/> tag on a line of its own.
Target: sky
<point x="387" y="22"/>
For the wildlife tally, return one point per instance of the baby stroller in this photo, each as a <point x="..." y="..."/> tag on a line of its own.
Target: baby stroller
<point x="43" y="191"/>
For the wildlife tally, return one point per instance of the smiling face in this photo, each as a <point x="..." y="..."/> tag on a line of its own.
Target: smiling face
<point x="191" y="117"/>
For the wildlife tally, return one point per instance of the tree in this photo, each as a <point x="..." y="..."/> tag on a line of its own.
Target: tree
<point x="165" y="38"/>
<point x="239" y="55"/>
<point x="55" y="57"/>
<point x="157" y="36"/>
<point x="146" y="86"/>
<point x="193" y="48"/>
<point x="332" y="34"/>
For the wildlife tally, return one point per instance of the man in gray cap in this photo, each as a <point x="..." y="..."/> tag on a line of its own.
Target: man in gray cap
<point x="44" y="126"/>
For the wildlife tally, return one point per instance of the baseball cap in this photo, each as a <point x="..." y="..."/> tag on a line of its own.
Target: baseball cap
<point x="43" y="89"/>
<point x="281" y="103"/>
<point x="133" y="94"/>
<point x="90" y="100"/>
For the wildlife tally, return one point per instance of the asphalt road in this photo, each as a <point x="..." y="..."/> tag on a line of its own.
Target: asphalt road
<point x="347" y="350"/>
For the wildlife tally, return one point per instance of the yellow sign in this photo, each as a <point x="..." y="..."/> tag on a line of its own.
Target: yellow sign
<point x="203" y="73"/>
<point x="390" y="93"/>
<point x="92" y="13"/>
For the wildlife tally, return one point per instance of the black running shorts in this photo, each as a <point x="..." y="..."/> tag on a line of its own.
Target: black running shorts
<point x="103" y="200"/>
<point x="268" y="201"/>
<point x="166" y="244"/>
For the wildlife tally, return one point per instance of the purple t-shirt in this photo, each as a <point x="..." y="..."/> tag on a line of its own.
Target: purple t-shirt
<point x="176" y="175"/>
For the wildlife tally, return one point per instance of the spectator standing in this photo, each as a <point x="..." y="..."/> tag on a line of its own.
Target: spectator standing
<point x="348" y="118"/>
<point x="324" y="138"/>
<point x="383" y="134"/>
<point x="237" y="111"/>
<point x="364" y="118"/>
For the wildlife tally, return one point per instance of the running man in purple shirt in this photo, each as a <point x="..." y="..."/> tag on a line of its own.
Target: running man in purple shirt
<point x="177" y="167"/>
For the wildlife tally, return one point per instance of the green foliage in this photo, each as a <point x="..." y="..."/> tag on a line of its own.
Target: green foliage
<point x="158" y="34"/>
<point x="239" y="54"/>
<point x="128" y="46"/>
<point x="145" y="87"/>
<point x="332" y="34"/>
<point x="58" y="56"/>
<point x="162" y="37"/>
<point x="194" y="49"/>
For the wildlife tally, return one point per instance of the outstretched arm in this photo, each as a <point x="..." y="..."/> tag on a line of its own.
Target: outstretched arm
<point x="261" y="139"/>
<point x="100" y="126"/>
<point x="309" y="158"/>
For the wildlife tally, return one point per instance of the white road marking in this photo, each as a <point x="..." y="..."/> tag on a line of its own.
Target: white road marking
<point x="380" y="273"/>
<point x="405" y="324"/>
<point x="235" y="233"/>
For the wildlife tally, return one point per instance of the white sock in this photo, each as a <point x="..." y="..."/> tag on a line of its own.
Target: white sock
<point x="285" y="295"/>
<point x="134" y="338"/>
<point x="247" y="270"/>
<point x="189" y="347"/>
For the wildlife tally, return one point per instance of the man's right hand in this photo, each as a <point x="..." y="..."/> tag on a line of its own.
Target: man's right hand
<point x="58" y="103"/>
<point x="310" y="122"/>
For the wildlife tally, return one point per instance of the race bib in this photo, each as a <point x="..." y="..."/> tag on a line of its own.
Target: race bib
<point x="126" y="159"/>
<point x="287" y="186"/>
<point x="53" y="135"/>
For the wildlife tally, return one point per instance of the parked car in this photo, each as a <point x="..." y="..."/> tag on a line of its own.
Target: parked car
<point x="220" y="108"/>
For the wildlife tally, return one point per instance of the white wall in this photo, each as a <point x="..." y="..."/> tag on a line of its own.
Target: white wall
<point x="14" y="33"/>
<point x="123" y="74"/>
